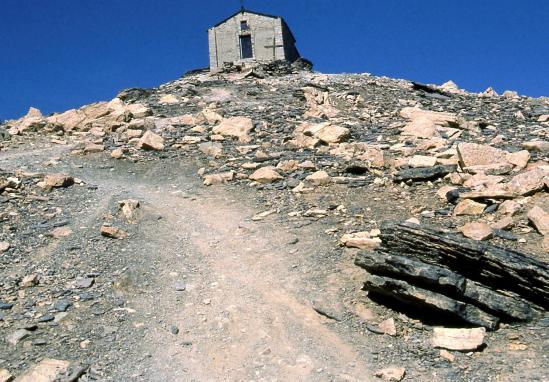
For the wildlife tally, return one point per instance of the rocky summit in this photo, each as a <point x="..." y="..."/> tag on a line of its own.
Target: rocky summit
<point x="267" y="222"/>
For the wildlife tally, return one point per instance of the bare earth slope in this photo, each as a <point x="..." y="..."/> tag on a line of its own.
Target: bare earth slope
<point x="243" y="272"/>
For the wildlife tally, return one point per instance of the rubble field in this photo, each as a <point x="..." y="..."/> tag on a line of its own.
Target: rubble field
<point x="267" y="223"/>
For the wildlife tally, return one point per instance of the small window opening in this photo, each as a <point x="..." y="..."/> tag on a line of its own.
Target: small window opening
<point x="244" y="26"/>
<point x="246" y="47"/>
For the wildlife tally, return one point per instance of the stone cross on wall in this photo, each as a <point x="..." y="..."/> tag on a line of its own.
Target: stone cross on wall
<point x="274" y="46"/>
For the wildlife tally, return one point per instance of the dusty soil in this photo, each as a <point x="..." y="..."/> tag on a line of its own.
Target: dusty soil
<point x="201" y="292"/>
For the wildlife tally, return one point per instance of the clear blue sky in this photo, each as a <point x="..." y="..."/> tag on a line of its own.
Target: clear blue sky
<point x="59" y="54"/>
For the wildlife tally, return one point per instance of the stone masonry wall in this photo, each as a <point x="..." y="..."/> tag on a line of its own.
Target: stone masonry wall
<point x="225" y="44"/>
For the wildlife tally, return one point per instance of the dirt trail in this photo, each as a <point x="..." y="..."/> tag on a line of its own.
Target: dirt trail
<point x="246" y="313"/>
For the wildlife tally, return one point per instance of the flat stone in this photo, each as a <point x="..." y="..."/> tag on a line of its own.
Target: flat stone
<point x="458" y="339"/>
<point x="84" y="282"/>
<point x="539" y="219"/>
<point x="392" y="373"/>
<point x="91" y="148"/>
<point x="326" y="132"/>
<point x="477" y="231"/>
<point x="422" y="161"/>
<point x="469" y="207"/>
<point x="113" y="232"/>
<point x="482" y="179"/>
<point x="473" y="154"/>
<point x="62" y="305"/>
<point x="443" y="191"/>
<point x="17" y="336"/>
<point x="117" y="153"/>
<point x="528" y="182"/>
<point x="361" y="240"/>
<point x="503" y="224"/>
<point x="496" y="191"/>
<point x="46" y="370"/>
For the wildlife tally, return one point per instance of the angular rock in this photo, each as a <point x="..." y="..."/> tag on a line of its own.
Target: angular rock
<point x="168" y="99"/>
<point x="423" y="174"/>
<point x="47" y="370"/>
<point x="446" y="282"/>
<point x="319" y="178"/>
<point x="265" y="175"/>
<point x="502" y="269"/>
<point x="473" y="154"/>
<point x="57" y="181"/>
<point x="237" y="127"/>
<point x="113" y="232"/>
<point x="537" y="146"/>
<point x="129" y="209"/>
<point x="361" y="240"/>
<point x="211" y="149"/>
<point x="393" y="373"/>
<point x="151" y="141"/>
<point x="213" y="179"/>
<point x="539" y="219"/>
<point x="5" y="376"/>
<point x="61" y="232"/>
<point x="427" y="124"/>
<point x="458" y="339"/>
<point x="326" y="132"/>
<point x="528" y="182"/>
<point x="117" y="153"/>
<point x="477" y="231"/>
<point x="415" y="297"/>
<point x="422" y="161"/>
<point x="29" y="281"/>
<point x="318" y="103"/>
<point x="469" y="207"/>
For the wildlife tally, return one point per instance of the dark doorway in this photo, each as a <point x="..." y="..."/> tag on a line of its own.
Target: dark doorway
<point x="246" y="47"/>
